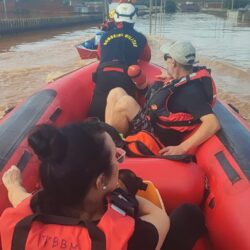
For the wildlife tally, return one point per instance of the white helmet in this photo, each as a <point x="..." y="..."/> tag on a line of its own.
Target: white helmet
<point x="125" y="12"/>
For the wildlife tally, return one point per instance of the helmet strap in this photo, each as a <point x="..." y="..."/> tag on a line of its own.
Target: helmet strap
<point x="124" y="15"/>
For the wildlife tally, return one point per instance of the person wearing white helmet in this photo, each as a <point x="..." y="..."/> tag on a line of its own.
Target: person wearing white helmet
<point x="125" y="12"/>
<point x="177" y="111"/>
<point x="118" y="49"/>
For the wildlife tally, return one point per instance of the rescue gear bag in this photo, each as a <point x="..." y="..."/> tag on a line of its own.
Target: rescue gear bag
<point x="142" y="144"/>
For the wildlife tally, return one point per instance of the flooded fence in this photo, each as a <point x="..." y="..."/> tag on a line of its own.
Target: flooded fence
<point x="246" y="16"/>
<point x="215" y="11"/>
<point x="24" y="24"/>
<point x="239" y="15"/>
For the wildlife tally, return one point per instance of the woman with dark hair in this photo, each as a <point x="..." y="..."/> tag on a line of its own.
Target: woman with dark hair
<point x="75" y="208"/>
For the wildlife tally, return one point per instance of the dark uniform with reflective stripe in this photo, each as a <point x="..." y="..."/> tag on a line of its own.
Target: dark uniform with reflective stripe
<point x="125" y="45"/>
<point x="120" y="48"/>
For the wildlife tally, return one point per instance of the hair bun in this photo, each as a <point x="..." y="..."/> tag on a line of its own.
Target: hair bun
<point x="48" y="143"/>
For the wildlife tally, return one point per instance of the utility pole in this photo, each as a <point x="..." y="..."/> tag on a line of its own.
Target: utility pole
<point x="155" y="13"/>
<point x="106" y="9"/>
<point x="150" y="17"/>
<point x="5" y="8"/>
<point x="232" y="7"/>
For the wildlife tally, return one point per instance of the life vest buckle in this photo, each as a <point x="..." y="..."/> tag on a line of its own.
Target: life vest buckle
<point x="154" y="107"/>
<point x="125" y="202"/>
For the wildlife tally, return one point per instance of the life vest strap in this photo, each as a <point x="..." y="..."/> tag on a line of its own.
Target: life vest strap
<point x="125" y="202"/>
<point x="131" y="181"/>
<point x="126" y="15"/>
<point x="193" y="76"/>
<point x="22" y="228"/>
<point x="113" y="64"/>
<point x="113" y="69"/>
<point x="177" y="123"/>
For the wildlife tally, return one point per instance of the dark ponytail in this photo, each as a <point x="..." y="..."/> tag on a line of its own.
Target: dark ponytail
<point x="48" y="143"/>
<point x="71" y="158"/>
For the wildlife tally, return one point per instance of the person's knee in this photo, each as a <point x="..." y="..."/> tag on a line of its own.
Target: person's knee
<point x="190" y="214"/>
<point x="125" y="103"/>
<point x="187" y="224"/>
<point x="115" y="94"/>
<point x="127" y="107"/>
<point x="192" y="211"/>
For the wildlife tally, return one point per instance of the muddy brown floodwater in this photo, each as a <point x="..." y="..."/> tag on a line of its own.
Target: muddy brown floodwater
<point x="29" y="60"/>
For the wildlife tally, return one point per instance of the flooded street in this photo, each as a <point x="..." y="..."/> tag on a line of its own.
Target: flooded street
<point x="217" y="38"/>
<point x="29" y="60"/>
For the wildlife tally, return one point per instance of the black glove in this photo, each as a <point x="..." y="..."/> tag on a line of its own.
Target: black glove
<point x="132" y="182"/>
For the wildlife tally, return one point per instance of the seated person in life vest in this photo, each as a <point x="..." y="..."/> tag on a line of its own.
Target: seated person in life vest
<point x="118" y="49"/>
<point x="178" y="112"/>
<point x="178" y="237"/>
<point x="79" y="172"/>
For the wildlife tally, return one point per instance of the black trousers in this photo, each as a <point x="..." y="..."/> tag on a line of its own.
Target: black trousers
<point x="105" y="81"/>
<point x="187" y="224"/>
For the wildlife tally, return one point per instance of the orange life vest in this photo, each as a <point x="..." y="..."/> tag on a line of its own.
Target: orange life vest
<point x="54" y="232"/>
<point x="159" y="94"/>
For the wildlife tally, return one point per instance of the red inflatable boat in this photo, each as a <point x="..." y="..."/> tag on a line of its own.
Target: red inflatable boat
<point x="217" y="179"/>
<point x="87" y="52"/>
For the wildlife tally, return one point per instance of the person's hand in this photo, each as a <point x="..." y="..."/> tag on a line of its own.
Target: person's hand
<point x="173" y="150"/>
<point x="12" y="177"/>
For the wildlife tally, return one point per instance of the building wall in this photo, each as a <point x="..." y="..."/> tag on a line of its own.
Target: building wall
<point x="214" y="5"/>
<point x="42" y="5"/>
<point x="29" y="24"/>
<point x="35" y="8"/>
<point x="10" y="6"/>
